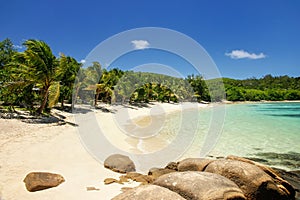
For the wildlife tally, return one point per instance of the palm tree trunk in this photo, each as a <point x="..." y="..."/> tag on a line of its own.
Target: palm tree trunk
<point x="44" y="102"/>
<point x="96" y="99"/>
<point x="62" y="103"/>
<point x="74" y="98"/>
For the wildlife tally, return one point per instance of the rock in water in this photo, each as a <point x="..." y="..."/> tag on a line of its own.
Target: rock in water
<point x="36" y="181"/>
<point x="119" y="163"/>
<point x="253" y="181"/>
<point x="275" y="175"/>
<point x="200" y="185"/>
<point x="293" y="177"/>
<point x="148" y="192"/>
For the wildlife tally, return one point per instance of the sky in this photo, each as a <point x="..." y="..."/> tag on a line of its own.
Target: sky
<point x="243" y="38"/>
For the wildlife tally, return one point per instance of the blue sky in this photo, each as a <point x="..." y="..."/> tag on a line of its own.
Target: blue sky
<point x="244" y="38"/>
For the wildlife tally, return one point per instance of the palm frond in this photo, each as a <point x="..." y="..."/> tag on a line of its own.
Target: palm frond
<point x="54" y="92"/>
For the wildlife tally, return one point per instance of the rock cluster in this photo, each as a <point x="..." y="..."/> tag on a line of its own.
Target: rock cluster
<point x="232" y="178"/>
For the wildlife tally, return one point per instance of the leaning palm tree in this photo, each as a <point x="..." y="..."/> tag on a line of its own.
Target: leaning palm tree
<point x="40" y="66"/>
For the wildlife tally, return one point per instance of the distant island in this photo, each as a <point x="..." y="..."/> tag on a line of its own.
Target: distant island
<point x="37" y="80"/>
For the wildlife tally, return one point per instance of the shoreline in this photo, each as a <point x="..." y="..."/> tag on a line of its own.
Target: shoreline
<point x="123" y="126"/>
<point x="264" y="101"/>
<point x="58" y="148"/>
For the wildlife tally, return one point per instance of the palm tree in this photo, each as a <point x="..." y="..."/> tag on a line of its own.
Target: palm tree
<point x="39" y="65"/>
<point x="79" y="84"/>
<point x="91" y="79"/>
<point x="105" y="87"/>
<point x="68" y="69"/>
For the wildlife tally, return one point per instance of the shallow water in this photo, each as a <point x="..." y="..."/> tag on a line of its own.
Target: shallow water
<point x="267" y="132"/>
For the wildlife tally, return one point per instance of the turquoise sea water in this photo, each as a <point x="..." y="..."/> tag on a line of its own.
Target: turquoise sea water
<point x="267" y="132"/>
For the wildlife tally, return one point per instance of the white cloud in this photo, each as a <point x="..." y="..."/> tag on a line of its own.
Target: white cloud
<point x="82" y="61"/>
<point x="18" y="46"/>
<point x="140" y="44"/>
<point x="239" y="54"/>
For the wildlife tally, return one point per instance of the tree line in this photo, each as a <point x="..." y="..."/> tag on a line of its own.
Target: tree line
<point x="37" y="80"/>
<point x="269" y="88"/>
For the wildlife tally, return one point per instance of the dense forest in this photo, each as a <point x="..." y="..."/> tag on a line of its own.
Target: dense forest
<point x="37" y="80"/>
<point x="267" y="88"/>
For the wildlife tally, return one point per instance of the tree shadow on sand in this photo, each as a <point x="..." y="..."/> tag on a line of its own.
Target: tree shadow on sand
<point x="136" y="106"/>
<point x="105" y="110"/>
<point x="56" y="119"/>
<point x="27" y="117"/>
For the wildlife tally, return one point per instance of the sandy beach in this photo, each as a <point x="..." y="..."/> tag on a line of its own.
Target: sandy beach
<point x="56" y="148"/>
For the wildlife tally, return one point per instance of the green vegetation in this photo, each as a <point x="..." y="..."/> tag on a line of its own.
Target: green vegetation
<point x="33" y="78"/>
<point x="117" y="86"/>
<point x="37" y="80"/>
<point x="144" y="87"/>
<point x="268" y="88"/>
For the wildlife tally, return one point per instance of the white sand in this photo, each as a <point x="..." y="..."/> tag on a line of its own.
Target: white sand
<point x="140" y="118"/>
<point x="56" y="148"/>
